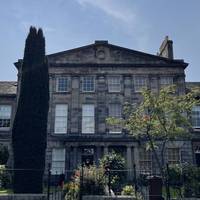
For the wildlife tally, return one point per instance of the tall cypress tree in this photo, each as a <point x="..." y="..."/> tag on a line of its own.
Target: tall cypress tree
<point x="29" y="133"/>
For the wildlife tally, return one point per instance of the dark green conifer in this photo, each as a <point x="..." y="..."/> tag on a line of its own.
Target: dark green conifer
<point x="30" y="124"/>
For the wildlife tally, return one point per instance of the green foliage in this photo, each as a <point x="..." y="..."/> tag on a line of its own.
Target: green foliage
<point x="92" y="182"/>
<point x="4" y="154"/>
<point x="129" y="190"/>
<point x="71" y="191"/>
<point x="165" y="115"/>
<point x="93" y="179"/>
<point x="5" y="178"/>
<point x="175" y="176"/>
<point x="185" y="179"/>
<point x="115" y="163"/>
<point x="191" y="179"/>
<point x="30" y="124"/>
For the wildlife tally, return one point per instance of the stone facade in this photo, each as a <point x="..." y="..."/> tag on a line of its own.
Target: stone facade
<point x="102" y="61"/>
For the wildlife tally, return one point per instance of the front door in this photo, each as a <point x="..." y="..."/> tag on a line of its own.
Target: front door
<point x="87" y="156"/>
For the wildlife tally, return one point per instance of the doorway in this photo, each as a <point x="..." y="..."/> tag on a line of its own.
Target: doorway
<point x="87" y="157"/>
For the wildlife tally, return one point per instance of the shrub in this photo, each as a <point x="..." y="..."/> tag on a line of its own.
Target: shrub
<point x="191" y="178"/>
<point x="115" y="165"/>
<point x="175" y="176"/>
<point x="93" y="180"/>
<point x="92" y="183"/>
<point x="129" y="190"/>
<point x="186" y="179"/>
<point x="5" y="177"/>
<point x="71" y="191"/>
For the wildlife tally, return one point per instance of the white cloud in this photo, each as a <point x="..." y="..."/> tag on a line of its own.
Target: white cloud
<point x="112" y="8"/>
<point x="127" y="18"/>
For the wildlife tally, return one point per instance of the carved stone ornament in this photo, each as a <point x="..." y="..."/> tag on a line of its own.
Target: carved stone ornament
<point x="101" y="54"/>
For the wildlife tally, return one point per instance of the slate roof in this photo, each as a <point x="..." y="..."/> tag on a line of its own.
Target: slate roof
<point x="8" y="87"/>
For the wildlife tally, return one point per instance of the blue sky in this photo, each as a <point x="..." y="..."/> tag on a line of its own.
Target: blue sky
<point x="135" y="24"/>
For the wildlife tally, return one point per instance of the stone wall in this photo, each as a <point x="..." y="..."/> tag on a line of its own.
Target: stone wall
<point x="95" y="197"/>
<point x="23" y="197"/>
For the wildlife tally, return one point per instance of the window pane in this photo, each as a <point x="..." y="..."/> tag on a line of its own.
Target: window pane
<point x="61" y="118"/>
<point x="88" y="84"/>
<point x="114" y="84"/>
<point x="145" y="161"/>
<point x="167" y="80"/>
<point x="5" y="116"/>
<point x="196" y="117"/>
<point x="88" y="118"/>
<point x="140" y="83"/>
<point x="58" y="161"/>
<point x="62" y="84"/>
<point x="115" y="111"/>
<point x="173" y="156"/>
<point x="88" y="110"/>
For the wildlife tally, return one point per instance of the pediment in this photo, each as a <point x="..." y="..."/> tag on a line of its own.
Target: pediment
<point x="104" y="53"/>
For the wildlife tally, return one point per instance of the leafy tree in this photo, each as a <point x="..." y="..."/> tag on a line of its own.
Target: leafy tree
<point x="4" y="154"/>
<point x="114" y="166"/>
<point x="160" y="117"/>
<point x="30" y="123"/>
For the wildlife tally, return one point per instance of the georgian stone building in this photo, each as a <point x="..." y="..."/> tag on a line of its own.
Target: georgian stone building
<point x="89" y="84"/>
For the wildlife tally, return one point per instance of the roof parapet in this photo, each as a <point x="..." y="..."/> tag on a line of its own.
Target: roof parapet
<point x="101" y="42"/>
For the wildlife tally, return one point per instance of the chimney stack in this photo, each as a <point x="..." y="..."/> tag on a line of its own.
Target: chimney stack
<point x="166" y="48"/>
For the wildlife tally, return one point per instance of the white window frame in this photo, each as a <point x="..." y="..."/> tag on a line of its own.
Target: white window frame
<point x="62" y="78"/>
<point x="170" y="159"/>
<point x="196" y="116"/>
<point x="145" y="160"/>
<point x="58" y="161"/>
<point x="114" y="84"/>
<point x="140" y="83"/>
<point x="87" y="81"/>
<point x="61" y="116"/>
<point x="115" y="129"/>
<point x="5" y="116"/>
<point x="166" y="81"/>
<point x="88" y="115"/>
